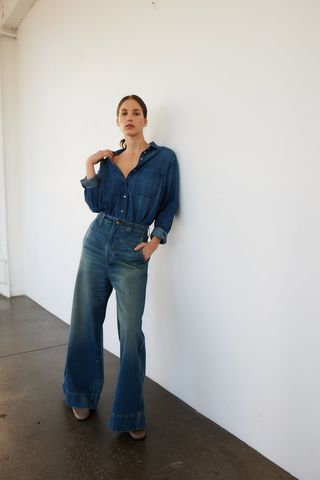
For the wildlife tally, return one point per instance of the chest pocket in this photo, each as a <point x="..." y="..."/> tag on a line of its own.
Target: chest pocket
<point x="148" y="183"/>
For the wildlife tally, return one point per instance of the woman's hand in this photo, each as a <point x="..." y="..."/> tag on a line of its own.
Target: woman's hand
<point x="94" y="159"/>
<point x="98" y="156"/>
<point x="148" y="247"/>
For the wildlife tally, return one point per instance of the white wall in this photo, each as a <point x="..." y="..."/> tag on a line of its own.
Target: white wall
<point x="232" y="319"/>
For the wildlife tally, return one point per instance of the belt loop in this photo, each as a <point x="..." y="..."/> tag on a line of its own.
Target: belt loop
<point x="101" y="216"/>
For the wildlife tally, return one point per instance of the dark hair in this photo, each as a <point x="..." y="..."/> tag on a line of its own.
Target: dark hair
<point x="142" y="105"/>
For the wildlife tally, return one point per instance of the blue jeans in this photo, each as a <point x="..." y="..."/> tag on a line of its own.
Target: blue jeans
<point x="108" y="260"/>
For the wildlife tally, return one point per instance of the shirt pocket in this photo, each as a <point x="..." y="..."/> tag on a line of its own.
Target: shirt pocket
<point x="148" y="183"/>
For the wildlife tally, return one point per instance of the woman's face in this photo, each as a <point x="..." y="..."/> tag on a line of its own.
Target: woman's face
<point x="130" y="118"/>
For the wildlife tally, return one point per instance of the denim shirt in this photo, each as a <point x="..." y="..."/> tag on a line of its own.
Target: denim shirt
<point x="149" y="193"/>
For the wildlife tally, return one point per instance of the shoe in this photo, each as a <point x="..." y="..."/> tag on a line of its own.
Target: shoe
<point x="137" y="434"/>
<point x="81" y="413"/>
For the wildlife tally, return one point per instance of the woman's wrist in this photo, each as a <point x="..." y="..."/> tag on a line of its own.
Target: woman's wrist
<point x="155" y="241"/>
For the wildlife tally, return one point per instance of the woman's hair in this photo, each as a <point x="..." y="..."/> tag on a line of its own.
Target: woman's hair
<point x="142" y="105"/>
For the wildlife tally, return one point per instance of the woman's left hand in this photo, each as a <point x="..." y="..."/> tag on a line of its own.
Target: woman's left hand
<point x="148" y="247"/>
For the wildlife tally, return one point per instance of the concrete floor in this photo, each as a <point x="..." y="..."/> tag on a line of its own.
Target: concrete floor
<point x="41" y="440"/>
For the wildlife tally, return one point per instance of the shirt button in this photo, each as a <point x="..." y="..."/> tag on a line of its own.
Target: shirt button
<point x="121" y="211"/>
<point x="124" y="196"/>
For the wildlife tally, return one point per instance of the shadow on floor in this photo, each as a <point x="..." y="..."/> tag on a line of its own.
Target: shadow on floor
<point x="41" y="440"/>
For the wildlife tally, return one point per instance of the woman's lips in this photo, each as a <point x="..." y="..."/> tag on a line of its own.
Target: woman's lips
<point x="129" y="126"/>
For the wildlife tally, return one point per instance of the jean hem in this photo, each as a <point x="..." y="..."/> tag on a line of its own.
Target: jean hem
<point x="124" y="423"/>
<point x="79" y="400"/>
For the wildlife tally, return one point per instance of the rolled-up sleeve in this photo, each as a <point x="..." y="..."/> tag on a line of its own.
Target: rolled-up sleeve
<point x="170" y="202"/>
<point x="89" y="183"/>
<point x="92" y="192"/>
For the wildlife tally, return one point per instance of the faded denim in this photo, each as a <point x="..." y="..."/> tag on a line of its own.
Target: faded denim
<point x="150" y="192"/>
<point x="108" y="261"/>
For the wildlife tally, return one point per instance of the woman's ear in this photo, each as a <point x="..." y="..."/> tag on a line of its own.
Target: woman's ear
<point x="145" y="122"/>
<point x="117" y="122"/>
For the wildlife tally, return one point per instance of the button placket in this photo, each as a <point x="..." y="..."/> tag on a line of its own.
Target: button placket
<point x="124" y="201"/>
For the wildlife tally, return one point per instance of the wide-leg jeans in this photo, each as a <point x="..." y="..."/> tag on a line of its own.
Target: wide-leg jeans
<point x="108" y="261"/>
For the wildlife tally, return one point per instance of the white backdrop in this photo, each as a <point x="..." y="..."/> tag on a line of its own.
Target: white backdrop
<point x="232" y="315"/>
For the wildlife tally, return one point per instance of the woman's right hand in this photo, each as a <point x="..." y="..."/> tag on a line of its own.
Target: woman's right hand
<point x="98" y="156"/>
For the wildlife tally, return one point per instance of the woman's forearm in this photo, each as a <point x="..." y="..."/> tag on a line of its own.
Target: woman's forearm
<point x="90" y="169"/>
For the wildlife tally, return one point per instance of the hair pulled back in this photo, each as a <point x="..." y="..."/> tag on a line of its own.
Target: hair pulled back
<point x="142" y="105"/>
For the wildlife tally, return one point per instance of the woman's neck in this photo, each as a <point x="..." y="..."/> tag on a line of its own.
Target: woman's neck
<point x="135" y="144"/>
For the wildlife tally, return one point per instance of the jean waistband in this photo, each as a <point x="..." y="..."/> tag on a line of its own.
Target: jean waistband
<point x="129" y="226"/>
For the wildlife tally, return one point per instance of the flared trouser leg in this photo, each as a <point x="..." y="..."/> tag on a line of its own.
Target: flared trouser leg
<point x="84" y="373"/>
<point x="109" y="261"/>
<point x="128" y="406"/>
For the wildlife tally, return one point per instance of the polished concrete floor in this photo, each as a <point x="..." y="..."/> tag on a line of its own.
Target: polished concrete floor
<point x="41" y="440"/>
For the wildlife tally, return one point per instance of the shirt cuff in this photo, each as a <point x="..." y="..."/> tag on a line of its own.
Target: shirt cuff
<point x="89" y="183"/>
<point x="161" y="233"/>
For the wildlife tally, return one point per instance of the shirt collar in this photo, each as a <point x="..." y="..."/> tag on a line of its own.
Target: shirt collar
<point x="152" y="144"/>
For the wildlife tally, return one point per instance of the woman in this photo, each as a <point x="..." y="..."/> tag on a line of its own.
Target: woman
<point x="134" y="187"/>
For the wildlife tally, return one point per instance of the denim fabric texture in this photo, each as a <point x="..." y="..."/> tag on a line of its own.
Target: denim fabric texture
<point x="108" y="261"/>
<point x="126" y="207"/>
<point x="149" y="193"/>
